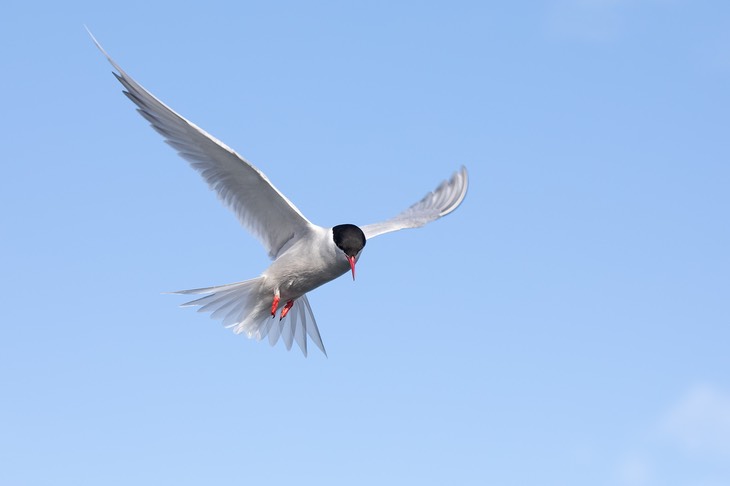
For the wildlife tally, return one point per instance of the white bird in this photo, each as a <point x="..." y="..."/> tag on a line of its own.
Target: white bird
<point x="305" y="255"/>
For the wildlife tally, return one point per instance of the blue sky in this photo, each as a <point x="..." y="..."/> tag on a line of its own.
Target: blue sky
<point x="568" y="325"/>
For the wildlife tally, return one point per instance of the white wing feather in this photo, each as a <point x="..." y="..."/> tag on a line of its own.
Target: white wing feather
<point x="259" y="206"/>
<point x="440" y="202"/>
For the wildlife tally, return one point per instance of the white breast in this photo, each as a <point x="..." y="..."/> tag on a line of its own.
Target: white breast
<point x="309" y="263"/>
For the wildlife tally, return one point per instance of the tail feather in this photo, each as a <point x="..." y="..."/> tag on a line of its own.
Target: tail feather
<point x="312" y="328"/>
<point x="243" y="306"/>
<point x="231" y="320"/>
<point x="275" y="332"/>
<point x="287" y="331"/>
<point x="300" y="336"/>
<point x="217" y="288"/>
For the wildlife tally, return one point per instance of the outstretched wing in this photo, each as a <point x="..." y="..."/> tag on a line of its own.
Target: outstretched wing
<point x="440" y="202"/>
<point x="258" y="205"/>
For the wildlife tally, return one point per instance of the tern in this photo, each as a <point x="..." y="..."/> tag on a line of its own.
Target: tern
<point x="304" y="254"/>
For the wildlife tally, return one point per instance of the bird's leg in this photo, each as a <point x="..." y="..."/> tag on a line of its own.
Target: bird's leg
<point x="275" y="303"/>
<point x="286" y="309"/>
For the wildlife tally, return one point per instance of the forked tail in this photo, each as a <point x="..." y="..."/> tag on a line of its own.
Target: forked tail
<point x="245" y="307"/>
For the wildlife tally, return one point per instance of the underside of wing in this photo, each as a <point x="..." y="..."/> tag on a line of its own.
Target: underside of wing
<point x="440" y="202"/>
<point x="239" y="185"/>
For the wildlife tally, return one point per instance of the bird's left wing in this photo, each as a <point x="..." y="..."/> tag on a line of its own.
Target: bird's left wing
<point x="440" y="202"/>
<point x="258" y="205"/>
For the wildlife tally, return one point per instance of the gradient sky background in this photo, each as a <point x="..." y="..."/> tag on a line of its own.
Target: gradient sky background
<point x="568" y="325"/>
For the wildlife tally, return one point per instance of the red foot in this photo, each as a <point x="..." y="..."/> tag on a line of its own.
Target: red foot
<point x="286" y="309"/>
<point x="275" y="304"/>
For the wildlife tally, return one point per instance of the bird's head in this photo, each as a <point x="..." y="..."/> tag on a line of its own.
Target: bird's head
<point x="351" y="240"/>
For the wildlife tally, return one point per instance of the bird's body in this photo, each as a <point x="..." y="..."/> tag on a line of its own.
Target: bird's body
<point x="310" y="262"/>
<point x="305" y="256"/>
<point x="307" y="264"/>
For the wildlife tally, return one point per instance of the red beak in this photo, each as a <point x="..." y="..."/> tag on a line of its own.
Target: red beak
<point x="351" y="259"/>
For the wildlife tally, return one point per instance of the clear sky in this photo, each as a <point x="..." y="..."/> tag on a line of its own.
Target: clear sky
<point x="568" y="325"/>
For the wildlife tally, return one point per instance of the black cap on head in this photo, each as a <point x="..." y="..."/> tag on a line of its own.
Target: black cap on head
<point x="348" y="238"/>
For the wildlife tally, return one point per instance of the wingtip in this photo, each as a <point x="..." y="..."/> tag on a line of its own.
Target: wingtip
<point x="106" y="54"/>
<point x="465" y="175"/>
<point x="459" y="180"/>
<point x="96" y="42"/>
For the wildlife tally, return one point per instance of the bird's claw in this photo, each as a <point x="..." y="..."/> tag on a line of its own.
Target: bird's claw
<point x="286" y="309"/>
<point x="275" y="304"/>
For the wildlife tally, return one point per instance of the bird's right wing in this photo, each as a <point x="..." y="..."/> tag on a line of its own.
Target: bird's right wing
<point x="440" y="202"/>
<point x="260" y="207"/>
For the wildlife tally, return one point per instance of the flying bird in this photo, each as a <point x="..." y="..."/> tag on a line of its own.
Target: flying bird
<point x="304" y="254"/>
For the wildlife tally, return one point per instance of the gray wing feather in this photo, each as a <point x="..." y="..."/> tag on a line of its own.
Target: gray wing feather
<point x="258" y="205"/>
<point x="440" y="202"/>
